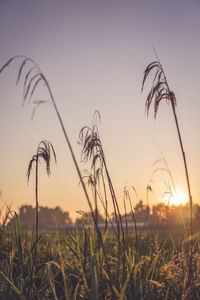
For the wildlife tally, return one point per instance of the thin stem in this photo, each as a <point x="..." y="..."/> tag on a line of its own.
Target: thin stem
<point x="135" y="224"/>
<point x="80" y="177"/>
<point x="186" y="169"/>
<point x="71" y="150"/>
<point x="36" y="198"/>
<point x="183" y="153"/>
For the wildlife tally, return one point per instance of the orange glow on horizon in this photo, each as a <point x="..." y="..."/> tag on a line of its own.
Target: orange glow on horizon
<point x="177" y="198"/>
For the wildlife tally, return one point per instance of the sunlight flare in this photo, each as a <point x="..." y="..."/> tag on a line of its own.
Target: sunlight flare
<point x="177" y="198"/>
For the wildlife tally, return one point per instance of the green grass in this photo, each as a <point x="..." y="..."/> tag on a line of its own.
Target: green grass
<point x="73" y="266"/>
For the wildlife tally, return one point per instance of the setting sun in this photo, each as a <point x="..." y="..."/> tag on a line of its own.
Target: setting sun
<point x="178" y="198"/>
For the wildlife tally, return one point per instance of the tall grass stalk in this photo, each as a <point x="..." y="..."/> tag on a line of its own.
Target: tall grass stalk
<point x="92" y="264"/>
<point x="148" y="189"/>
<point x="43" y="152"/>
<point x="33" y="77"/>
<point x="93" y="149"/>
<point x="160" y="91"/>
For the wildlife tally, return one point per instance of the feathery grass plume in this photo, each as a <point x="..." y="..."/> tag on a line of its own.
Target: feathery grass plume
<point x="43" y="152"/>
<point x="33" y="77"/>
<point x="91" y="182"/>
<point x="165" y="168"/>
<point x="92" y="149"/>
<point x="160" y="91"/>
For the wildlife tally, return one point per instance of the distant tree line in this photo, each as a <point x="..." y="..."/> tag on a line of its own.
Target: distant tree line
<point x="161" y="215"/>
<point x="49" y="218"/>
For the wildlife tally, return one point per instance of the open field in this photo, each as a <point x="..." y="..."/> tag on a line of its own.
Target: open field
<point x="95" y="263"/>
<point x="77" y="266"/>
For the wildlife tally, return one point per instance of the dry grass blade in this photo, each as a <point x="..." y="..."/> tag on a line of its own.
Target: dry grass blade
<point x="21" y="69"/>
<point x="31" y="80"/>
<point x="53" y="102"/>
<point x="160" y="88"/>
<point x="43" y="152"/>
<point x="148" y="70"/>
<point x="32" y="161"/>
<point x="160" y="91"/>
<point x="29" y="86"/>
<point x="91" y="144"/>
<point x="7" y="63"/>
<point x="37" y="104"/>
<point x="26" y="79"/>
<point x="34" y="86"/>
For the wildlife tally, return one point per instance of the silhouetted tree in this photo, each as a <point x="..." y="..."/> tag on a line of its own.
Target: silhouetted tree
<point x="170" y="216"/>
<point x="141" y="211"/>
<point x="49" y="217"/>
<point x="26" y="215"/>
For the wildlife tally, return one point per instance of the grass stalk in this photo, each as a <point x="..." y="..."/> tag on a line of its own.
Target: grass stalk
<point x="160" y="91"/>
<point x="43" y="151"/>
<point x="31" y="82"/>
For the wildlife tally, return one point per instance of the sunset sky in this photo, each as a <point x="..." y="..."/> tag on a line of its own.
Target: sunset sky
<point x="94" y="53"/>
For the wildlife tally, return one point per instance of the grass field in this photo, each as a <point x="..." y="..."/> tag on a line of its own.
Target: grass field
<point x="92" y="263"/>
<point x="76" y="266"/>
